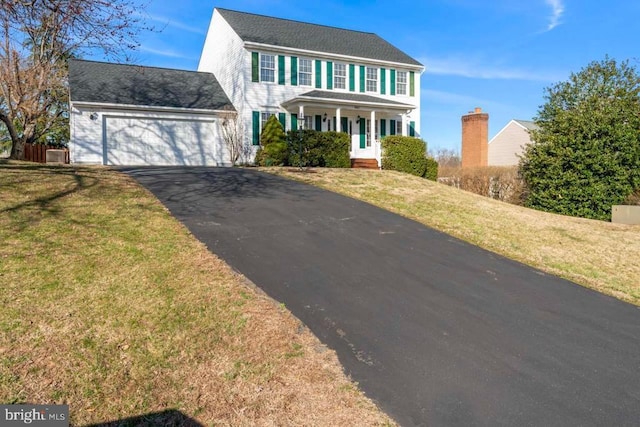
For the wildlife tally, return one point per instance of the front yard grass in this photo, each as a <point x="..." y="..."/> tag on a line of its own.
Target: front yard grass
<point x="109" y="305"/>
<point x="595" y="254"/>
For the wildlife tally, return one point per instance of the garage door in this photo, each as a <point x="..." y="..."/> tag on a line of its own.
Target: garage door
<point x="159" y="142"/>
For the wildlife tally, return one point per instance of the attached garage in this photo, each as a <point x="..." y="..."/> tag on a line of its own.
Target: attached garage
<point x="131" y="115"/>
<point x="159" y="142"/>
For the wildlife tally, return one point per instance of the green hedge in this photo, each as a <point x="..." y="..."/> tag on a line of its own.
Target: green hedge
<point x="318" y="149"/>
<point x="408" y="154"/>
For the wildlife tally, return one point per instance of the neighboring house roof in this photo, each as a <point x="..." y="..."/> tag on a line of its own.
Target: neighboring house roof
<point x="527" y="124"/>
<point x="134" y="85"/>
<point x="312" y="37"/>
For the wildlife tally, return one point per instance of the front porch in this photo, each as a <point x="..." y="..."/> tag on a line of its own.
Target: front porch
<point x="365" y="118"/>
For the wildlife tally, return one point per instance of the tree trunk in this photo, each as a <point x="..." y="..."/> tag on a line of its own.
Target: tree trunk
<point x="17" y="143"/>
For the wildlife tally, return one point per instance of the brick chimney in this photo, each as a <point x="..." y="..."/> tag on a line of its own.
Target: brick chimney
<point x="475" y="138"/>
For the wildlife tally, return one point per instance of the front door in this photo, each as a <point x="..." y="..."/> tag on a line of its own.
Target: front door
<point x="363" y="142"/>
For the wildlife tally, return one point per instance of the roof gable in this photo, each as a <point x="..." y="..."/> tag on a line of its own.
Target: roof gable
<point x="528" y="124"/>
<point x="312" y="37"/>
<point x="105" y="83"/>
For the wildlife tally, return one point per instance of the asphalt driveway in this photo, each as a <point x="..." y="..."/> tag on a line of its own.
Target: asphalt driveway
<point x="437" y="331"/>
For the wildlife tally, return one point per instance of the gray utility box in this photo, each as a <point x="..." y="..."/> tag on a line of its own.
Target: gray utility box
<point x="55" y="156"/>
<point x="625" y="214"/>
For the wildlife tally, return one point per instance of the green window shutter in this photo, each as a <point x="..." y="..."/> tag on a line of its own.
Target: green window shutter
<point x="318" y="122"/>
<point x="412" y="128"/>
<point x="383" y="81"/>
<point x="294" y="121"/>
<point x="412" y="82"/>
<point x="282" y="117"/>
<point x="344" y="124"/>
<point x="280" y="69"/>
<point x="363" y="133"/>
<point x="392" y="89"/>
<point x="318" y="74"/>
<point x="256" y="127"/>
<point x="392" y="127"/>
<point x="352" y="77"/>
<point x="383" y="128"/>
<point x="329" y="75"/>
<point x="362" y="78"/>
<point x="294" y="71"/>
<point x="255" y="67"/>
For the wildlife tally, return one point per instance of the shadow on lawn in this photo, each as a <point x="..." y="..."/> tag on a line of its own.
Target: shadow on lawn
<point x="170" y="417"/>
<point x="46" y="203"/>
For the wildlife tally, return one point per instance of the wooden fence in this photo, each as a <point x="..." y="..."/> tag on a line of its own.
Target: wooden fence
<point x="38" y="153"/>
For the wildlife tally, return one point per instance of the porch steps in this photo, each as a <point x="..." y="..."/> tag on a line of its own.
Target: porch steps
<point x="364" y="164"/>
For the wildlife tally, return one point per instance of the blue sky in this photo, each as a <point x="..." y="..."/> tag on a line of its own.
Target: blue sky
<point x="498" y="55"/>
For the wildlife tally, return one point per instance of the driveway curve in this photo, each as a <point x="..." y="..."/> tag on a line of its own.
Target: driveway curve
<point x="437" y="331"/>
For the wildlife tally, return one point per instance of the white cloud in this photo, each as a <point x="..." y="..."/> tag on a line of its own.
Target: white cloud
<point x="168" y="22"/>
<point x="557" y="9"/>
<point x="478" y="69"/>
<point x="164" y="52"/>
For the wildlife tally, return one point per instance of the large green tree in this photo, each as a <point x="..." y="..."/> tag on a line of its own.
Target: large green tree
<point x="37" y="37"/>
<point x="586" y="155"/>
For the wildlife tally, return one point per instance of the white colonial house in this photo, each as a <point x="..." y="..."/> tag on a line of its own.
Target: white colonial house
<point x="506" y="147"/>
<point x="309" y="76"/>
<point x="314" y="76"/>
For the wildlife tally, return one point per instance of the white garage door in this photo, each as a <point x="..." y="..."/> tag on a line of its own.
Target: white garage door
<point x="159" y="142"/>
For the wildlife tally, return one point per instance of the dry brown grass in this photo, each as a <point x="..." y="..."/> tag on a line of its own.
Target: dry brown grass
<point x="111" y="306"/>
<point x="595" y="254"/>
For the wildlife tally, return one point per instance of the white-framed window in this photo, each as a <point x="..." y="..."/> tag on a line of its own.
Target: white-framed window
<point x="399" y="127"/>
<point x="305" y="72"/>
<point x="339" y="76"/>
<point x="372" y="79"/>
<point x="267" y="68"/>
<point x="308" y="122"/>
<point x="401" y="83"/>
<point x="264" y="116"/>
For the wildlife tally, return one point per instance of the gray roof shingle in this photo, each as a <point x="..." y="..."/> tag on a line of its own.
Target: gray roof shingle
<point x="341" y="96"/>
<point x="528" y="124"/>
<point x="313" y="37"/>
<point x="106" y="83"/>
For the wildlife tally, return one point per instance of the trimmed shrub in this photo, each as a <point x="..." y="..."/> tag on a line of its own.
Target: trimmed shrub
<point x="318" y="149"/>
<point x="404" y="154"/>
<point x="432" y="169"/>
<point x="273" y="147"/>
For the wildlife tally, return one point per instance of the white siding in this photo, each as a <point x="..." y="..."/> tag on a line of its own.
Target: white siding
<point x="507" y="145"/>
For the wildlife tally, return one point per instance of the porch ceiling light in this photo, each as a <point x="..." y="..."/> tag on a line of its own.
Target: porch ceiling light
<point x="324" y="118"/>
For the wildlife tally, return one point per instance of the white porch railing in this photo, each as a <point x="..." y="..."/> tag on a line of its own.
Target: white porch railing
<point x="378" y="152"/>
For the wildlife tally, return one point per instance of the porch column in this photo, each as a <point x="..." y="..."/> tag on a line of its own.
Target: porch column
<point x="405" y="122"/>
<point x="337" y="129"/>
<point x="372" y="127"/>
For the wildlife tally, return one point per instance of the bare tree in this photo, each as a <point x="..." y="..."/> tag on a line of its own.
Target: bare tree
<point x="446" y="157"/>
<point x="37" y="39"/>
<point x="233" y="136"/>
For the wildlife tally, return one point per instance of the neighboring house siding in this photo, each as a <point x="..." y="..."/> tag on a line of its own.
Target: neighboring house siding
<point x="508" y="144"/>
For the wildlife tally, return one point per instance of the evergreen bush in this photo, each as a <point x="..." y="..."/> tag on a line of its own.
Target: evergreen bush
<point x="405" y="154"/>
